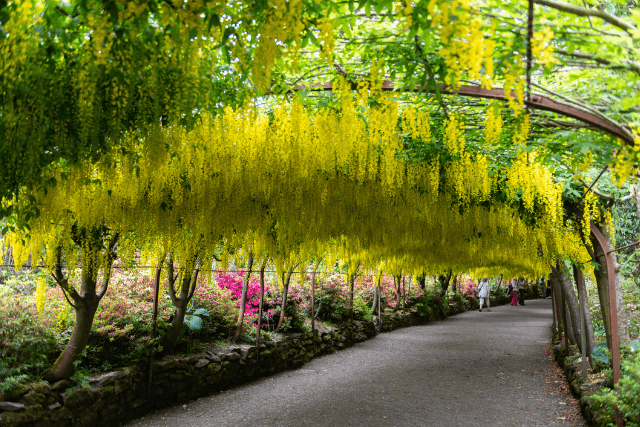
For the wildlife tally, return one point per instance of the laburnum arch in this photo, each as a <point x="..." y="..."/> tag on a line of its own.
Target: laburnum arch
<point x="139" y="125"/>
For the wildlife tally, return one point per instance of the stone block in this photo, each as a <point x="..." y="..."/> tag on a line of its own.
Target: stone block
<point x="33" y="398"/>
<point x="54" y="406"/>
<point x="16" y="392"/>
<point x="41" y="387"/>
<point x="229" y="375"/>
<point x="165" y="365"/>
<point x="201" y="363"/>
<point x="77" y="398"/>
<point x="214" y="379"/>
<point x="122" y="385"/>
<point x="213" y="358"/>
<point x="106" y="379"/>
<point x="12" y="406"/>
<point x="88" y="417"/>
<point x="265" y="354"/>
<point x="137" y="402"/>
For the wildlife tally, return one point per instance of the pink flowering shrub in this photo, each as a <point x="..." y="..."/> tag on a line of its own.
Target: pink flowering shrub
<point x="234" y="282"/>
<point x="468" y="288"/>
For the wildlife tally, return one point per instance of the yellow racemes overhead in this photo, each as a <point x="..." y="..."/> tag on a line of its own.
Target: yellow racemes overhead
<point x="297" y="178"/>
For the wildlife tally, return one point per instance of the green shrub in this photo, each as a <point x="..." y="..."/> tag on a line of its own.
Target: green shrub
<point x="27" y="342"/>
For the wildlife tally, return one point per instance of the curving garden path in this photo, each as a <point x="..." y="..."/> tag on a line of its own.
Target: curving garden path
<point x="473" y="369"/>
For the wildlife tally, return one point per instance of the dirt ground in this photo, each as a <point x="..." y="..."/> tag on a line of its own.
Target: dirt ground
<point x="474" y="369"/>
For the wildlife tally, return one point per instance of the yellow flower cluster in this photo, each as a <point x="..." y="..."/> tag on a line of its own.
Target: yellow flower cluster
<point x="465" y="48"/>
<point x="291" y="181"/>
<point x="626" y="160"/>
<point x="283" y="22"/>
<point x="542" y="48"/>
<point x="404" y="9"/>
<point x="327" y="39"/>
<point x="454" y="135"/>
<point x="492" y="124"/>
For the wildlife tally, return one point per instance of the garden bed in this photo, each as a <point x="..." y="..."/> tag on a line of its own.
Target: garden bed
<point x="124" y="394"/>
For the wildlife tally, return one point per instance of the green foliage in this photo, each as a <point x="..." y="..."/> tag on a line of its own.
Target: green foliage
<point x="27" y="343"/>
<point x="626" y="395"/>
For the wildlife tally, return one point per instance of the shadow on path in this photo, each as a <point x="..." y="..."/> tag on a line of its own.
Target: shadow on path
<point x="473" y="369"/>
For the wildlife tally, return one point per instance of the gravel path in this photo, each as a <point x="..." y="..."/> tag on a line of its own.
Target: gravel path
<point x="473" y="369"/>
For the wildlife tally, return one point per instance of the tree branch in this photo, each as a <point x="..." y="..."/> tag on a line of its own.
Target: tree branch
<point x="627" y="65"/>
<point x="62" y="281"/>
<point x="582" y="11"/>
<point x="111" y="256"/>
<point x="194" y="282"/>
<point x="172" y="281"/>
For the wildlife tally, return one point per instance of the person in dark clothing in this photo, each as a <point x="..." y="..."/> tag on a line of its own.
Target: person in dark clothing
<point x="547" y="288"/>
<point x="521" y="290"/>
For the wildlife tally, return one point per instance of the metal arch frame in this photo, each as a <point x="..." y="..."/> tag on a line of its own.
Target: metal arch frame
<point x="535" y="101"/>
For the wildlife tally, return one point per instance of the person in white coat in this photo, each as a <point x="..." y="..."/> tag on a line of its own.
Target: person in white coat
<point x="483" y="293"/>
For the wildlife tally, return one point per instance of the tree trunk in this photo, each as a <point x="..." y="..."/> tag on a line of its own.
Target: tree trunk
<point x="422" y="281"/>
<point x="567" y="318"/>
<point x="351" y="283"/>
<point x="189" y="282"/>
<point x="557" y="293"/>
<point x="86" y="302"/>
<point x="313" y="305"/>
<point x="375" y="300"/>
<point x="262" y="267"/>
<point x="498" y="285"/>
<point x="588" y="324"/>
<point x="603" y="291"/>
<point x="63" y="367"/>
<point x="285" y="291"/>
<point x="243" y="299"/>
<point x="571" y="300"/>
<point x="404" y="292"/>
<point x="444" y="282"/>
<point x="396" y="282"/>
<point x="637" y="190"/>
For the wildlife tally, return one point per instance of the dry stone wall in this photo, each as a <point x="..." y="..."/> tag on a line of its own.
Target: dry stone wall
<point x="126" y="394"/>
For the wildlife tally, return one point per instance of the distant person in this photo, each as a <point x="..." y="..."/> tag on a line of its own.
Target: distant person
<point x="521" y="283"/>
<point x="513" y="290"/>
<point x="547" y="288"/>
<point x="483" y="293"/>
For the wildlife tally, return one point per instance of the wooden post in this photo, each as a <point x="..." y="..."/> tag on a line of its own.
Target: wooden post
<point x="404" y="295"/>
<point x="379" y="301"/>
<point x="313" y="313"/>
<point x="262" y="267"/>
<point x="154" y="321"/>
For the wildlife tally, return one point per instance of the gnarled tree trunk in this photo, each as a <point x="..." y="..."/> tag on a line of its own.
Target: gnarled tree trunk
<point x="84" y="302"/>
<point x="243" y="299"/>
<point x="181" y="302"/>
<point x="570" y="299"/>
<point x="285" y="292"/>
<point x="603" y="290"/>
<point x="444" y="282"/>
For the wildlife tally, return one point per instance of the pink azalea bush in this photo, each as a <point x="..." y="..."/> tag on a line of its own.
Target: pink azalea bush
<point x="234" y="282"/>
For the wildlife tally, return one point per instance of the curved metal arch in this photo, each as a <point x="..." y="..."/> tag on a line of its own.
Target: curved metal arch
<point x="536" y="101"/>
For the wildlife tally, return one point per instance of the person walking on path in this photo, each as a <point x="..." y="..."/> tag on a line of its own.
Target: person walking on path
<point x="513" y="289"/>
<point x="483" y="293"/>
<point x="521" y="290"/>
